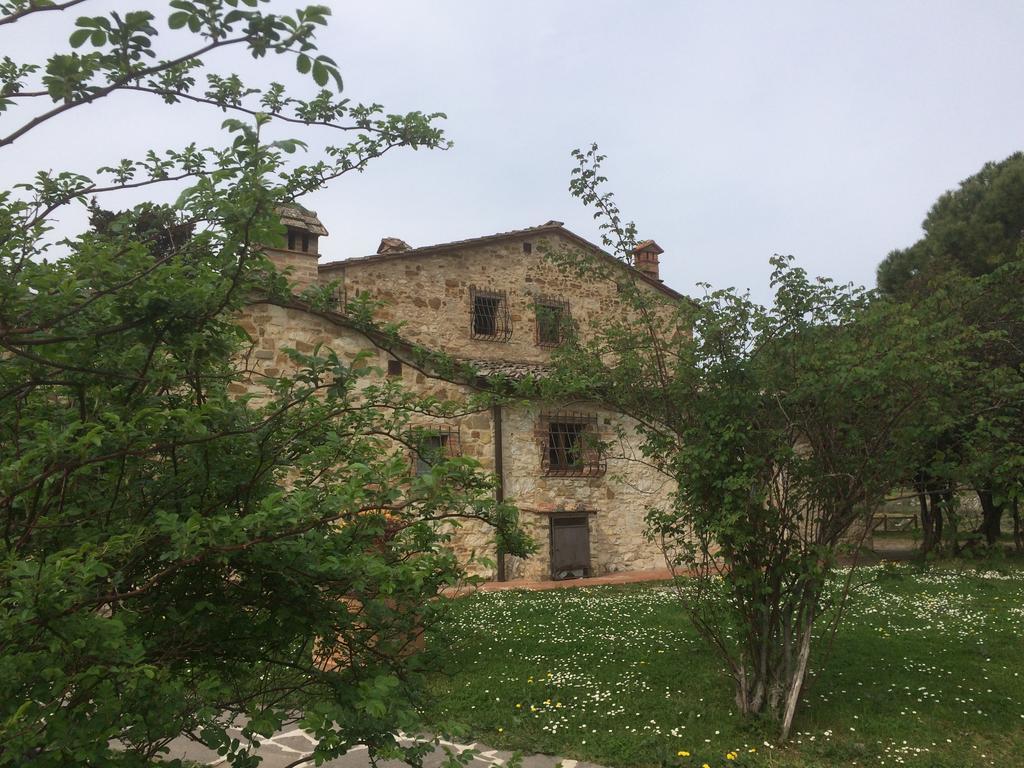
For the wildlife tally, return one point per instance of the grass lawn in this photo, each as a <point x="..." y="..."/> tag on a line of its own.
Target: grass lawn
<point x="926" y="671"/>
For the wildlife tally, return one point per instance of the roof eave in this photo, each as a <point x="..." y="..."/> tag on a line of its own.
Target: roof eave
<point x="519" y="234"/>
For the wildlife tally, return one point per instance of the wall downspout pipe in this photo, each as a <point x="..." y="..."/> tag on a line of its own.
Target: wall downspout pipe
<point x="499" y="491"/>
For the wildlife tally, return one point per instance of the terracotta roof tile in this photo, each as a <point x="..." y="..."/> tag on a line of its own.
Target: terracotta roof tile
<point x="510" y="368"/>
<point x="648" y="245"/>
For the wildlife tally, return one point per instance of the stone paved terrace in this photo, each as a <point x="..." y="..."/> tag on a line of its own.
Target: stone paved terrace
<point x="288" y="748"/>
<point x="626" y="577"/>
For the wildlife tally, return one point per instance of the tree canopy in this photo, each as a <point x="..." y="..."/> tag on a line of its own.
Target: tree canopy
<point x="177" y="557"/>
<point x="970" y="231"/>
<point x="782" y="427"/>
<point x="968" y="265"/>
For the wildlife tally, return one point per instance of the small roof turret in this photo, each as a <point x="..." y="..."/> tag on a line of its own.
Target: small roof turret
<point x="299" y="217"/>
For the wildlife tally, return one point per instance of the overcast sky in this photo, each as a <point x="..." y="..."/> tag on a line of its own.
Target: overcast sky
<point x="733" y="130"/>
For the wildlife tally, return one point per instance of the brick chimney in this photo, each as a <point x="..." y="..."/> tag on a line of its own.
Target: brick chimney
<point x="645" y="258"/>
<point x="392" y="245"/>
<point x="301" y="249"/>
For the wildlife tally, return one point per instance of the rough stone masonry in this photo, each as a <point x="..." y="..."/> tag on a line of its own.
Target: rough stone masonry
<point x="499" y="302"/>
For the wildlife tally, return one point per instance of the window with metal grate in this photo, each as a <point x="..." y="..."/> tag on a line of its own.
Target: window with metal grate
<point x="338" y="300"/>
<point x="434" y="445"/>
<point x="489" y="316"/>
<point x="552" y="321"/>
<point x="571" y="447"/>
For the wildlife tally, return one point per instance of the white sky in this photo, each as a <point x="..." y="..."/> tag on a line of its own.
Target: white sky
<point x="734" y="130"/>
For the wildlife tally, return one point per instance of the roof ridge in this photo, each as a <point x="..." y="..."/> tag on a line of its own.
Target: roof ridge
<point x="549" y="226"/>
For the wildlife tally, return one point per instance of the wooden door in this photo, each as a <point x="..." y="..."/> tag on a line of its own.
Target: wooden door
<point x="570" y="546"/>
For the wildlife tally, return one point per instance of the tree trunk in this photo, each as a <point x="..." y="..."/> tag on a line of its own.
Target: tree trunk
<point x="946" y="508"/>
<point x="927" y="524"/>
<point x="992" y="518"/>
<point x="932" y="502"/>
<point x="937" y="505"/>
<point x="742" y="691"/>
<point x="796" y="683"/>
<point x="1018" y="531"/>
<point x="770" y="675"/>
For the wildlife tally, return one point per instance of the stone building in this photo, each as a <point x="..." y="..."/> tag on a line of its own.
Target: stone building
<point x="500" y="303"/>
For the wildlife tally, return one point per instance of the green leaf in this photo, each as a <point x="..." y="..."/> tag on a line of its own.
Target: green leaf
<point x="78" y="37"/>
<point x="178" y="20"/>
<point x="320" y="74"/>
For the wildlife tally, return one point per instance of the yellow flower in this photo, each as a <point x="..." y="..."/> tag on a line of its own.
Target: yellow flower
<point x="500" y="730"/>
<point x="705" y="766"/>
<point x="519" y="706"/>
<point x="682" y="753"/>
<point x="730" y="756"/>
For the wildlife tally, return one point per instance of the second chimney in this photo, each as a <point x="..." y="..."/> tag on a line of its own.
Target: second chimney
<point x="392" y="245"/>
<point x="645" y="258"/>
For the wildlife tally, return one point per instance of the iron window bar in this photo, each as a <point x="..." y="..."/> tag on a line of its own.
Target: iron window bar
<point x="571" y="447"/>
<point x="553" y="320"/>
<point x="490" y="319"/>
<point x="434" y="444"/>
<point x="338" y="300"/>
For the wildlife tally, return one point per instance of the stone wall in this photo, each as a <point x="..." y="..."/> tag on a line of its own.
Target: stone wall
<point x="431" y="293"/>
<point x="617" y="499"/>
<point x="301" y="265"/>
<point x="273" y="329"/>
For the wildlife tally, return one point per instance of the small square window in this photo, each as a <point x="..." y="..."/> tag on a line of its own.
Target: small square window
<point x="338" y="299"/>
<point x="527" y="247"/>
<point x="490" y="319"/>
<point x="565" y="445"/>
<point x="394" y="367"/>
<point x="431" y="451"/>
<point x="571" y="446"/>
<point x="552" y="321"/>
<point x="434" y="444"/>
